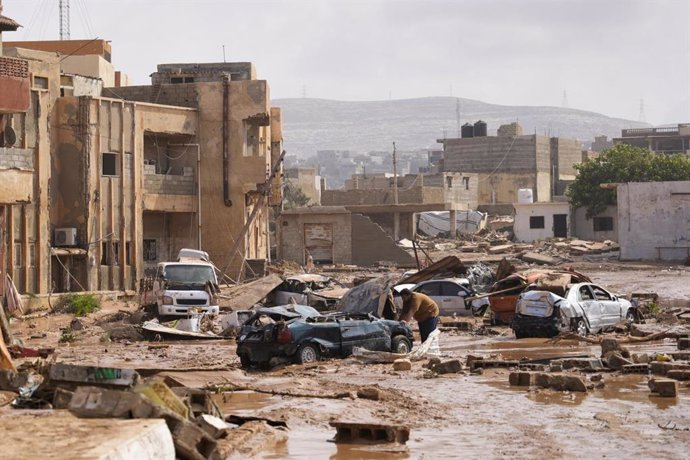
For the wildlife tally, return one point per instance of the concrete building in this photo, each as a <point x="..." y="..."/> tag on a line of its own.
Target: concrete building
<point x="674" y="139"/>
<point x="239" y="140"/>
<point x="601" y="143"/>
<point x="654" y="220"/>
<point x="510" y="162"/>
<point x="336" y="235"/>
<point x="602" y="227"/>
<point x="538" y="221"/>
<point x="306" y="179"/>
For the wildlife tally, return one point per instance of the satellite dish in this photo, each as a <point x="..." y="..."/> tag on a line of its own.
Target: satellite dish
<point x="10" y="136"/>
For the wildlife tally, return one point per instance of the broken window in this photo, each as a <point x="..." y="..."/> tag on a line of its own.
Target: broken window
<point x="150" y="251"/>
<point x="109" y="164"/>
<point x="585" y="293"/>
<point x="600" y="294"/>
<point x="602" y="224"/>
<point x="536" y="222"/>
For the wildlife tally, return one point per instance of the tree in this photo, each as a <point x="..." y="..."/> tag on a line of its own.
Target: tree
<point x="619" y="164"/>
<point x="293" y="196"/>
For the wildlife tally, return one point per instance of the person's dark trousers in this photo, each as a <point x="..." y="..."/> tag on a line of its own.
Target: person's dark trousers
<point x="427" y="326"/>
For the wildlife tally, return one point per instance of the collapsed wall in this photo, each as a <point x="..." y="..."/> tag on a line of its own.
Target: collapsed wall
<point x="371" y="244"/>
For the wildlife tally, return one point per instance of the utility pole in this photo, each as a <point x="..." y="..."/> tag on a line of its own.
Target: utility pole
<point x="395" y="177"/>
<point x="64" y="20"/>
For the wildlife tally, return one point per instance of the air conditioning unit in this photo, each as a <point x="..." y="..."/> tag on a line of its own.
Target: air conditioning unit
<point x="65" y="237"/>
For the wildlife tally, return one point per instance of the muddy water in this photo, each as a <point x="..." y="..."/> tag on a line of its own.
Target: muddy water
<point x="482" y="416"/>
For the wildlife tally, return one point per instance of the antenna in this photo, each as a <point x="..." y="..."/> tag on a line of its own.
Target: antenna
<point x="64" y="20"/>
<point x="224" y="54"/>
<point x="457" y="114"/>
<point x="564" y="102"/>
<point x="641" y="117"/>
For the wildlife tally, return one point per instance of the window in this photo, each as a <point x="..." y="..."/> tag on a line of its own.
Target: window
<point x="40" y="82"/>
<point x="116" y="253"/>
<point x="449" y="181"/>
<point x="150" y="251"/>
<point x="32" y="255"/>
<point x="452" y="290"/>
<point x="128" y="253"/>
<point x="181" y="79"/>
<point x="585" y="293"/>
<point x="602" y="224"/>
<point x="18" y="255"/>
<point x="466" y="180"/>
<point x="105" y="253"/>
<point x="109" y="166"/>
<point x="536" y="222"/>
<point x="431" y="289"/>
<point x="600" y="294"/>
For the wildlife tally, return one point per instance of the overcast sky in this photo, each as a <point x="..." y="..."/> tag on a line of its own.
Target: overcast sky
<point x="605" y="54"/>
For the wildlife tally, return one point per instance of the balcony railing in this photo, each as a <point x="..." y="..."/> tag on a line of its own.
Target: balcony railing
<point x="649" y="131"/>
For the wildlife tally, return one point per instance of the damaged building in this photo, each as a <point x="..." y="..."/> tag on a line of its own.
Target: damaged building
<point x="102" y="184"/>
<point x="511" y="161"/>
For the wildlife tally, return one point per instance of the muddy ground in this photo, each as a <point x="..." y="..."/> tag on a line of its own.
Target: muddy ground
<point x="454" y="415"/>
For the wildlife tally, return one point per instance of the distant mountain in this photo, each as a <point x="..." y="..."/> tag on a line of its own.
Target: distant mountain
<point x="320" y="124"/>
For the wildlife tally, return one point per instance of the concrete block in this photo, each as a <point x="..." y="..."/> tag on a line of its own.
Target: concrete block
<point x="635" y="368"/>
<point x="448" y="367"/>
<point x="560" y="382"/>
<point x="94" y="402"/>
<point x="370" y="433"/>
<point x="663" y="387"/>
<point x="402" y="365"/>
<point x="213" y="426"/>
<point x="520" y="379"/>
<point x="678" y="374"/>
<point x="107" y="376"/>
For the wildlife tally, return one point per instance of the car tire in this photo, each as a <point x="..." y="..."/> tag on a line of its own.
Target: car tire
<point x="245" y="362"/>
<point x="401" y="345"/>
<point x="307" y="353"/>
<point x="580" y="328"/>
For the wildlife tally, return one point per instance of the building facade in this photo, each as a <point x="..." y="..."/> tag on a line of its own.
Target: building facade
<point x="672" y="139"/>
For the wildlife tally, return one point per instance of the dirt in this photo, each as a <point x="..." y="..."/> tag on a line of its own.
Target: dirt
<point x="453" y="415"/>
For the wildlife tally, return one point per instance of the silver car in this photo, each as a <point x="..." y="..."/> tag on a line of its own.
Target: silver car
<point x="585" y="308"/>
<point x="450" y="293"/>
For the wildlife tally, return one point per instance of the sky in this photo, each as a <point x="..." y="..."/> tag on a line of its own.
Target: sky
<point x="606" y="56"/>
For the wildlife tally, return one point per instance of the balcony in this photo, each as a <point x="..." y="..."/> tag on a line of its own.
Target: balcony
<point x="169" y="192"/>
<point x="15" y="85"/>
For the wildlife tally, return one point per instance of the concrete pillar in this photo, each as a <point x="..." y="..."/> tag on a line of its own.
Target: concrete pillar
<point x="452" y="216"/>
<point x="413" y="226"/>
<point x="396" y="226"/>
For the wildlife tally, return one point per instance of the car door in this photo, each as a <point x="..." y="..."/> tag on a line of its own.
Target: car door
<point x="610" y="309"/>
<point x="590" y="306"/>
<point x="453" y="299"/>
<point x="367" y="333"/>
<point x="433" y="290"/>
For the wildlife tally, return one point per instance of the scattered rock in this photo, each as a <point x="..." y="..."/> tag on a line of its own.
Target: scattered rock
<point x="609" y="345"/>
<point x="641" y="358"/>
<point x="76" y="325"/>
<point x="373" y="393"/>
<point x="432" y="362"/>
<point x="448" y="367"/>
<point x="402" y="365"/>
<point x="561" y="382"/>
<point x="663" y="387"/>
<point x="615" y="360"/>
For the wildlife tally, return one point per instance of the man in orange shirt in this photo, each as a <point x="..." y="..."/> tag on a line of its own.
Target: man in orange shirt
<point x="422" y="308"/>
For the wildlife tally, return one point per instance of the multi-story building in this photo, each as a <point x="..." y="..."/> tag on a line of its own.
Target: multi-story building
<point x="307" y="180"/>
<point x="672" y="139"/>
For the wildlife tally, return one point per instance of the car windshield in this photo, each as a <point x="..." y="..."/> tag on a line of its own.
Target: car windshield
<point x="189" y="274"/>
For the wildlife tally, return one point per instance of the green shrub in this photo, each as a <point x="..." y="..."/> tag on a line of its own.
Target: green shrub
<point x="78" y="304"/>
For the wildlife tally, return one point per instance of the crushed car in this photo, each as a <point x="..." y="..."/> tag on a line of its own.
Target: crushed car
<point x="301" y="334"/>
<point x="581" y="308"/>
<point x="318" y="291"/>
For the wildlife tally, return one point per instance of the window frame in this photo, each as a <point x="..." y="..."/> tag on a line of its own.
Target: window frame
<point x="534" y="222"/>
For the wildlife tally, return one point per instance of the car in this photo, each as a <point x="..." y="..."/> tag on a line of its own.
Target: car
<point x="583" y="308"/>
<point x="450" y="293"/>
<point x="293" y="333"/>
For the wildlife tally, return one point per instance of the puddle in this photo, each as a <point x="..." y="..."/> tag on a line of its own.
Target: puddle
<point x="242" y="402"/>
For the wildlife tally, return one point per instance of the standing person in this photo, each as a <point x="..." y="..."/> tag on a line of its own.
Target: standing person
<point x="422" y="308"/>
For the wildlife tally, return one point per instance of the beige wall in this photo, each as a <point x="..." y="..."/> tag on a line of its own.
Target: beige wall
<point x="583" y="228"/>
<point x="91" y="66"/>
<point x="291" y="235"/>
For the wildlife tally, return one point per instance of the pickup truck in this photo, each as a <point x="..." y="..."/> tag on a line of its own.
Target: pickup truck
<point x="189" y="283"/>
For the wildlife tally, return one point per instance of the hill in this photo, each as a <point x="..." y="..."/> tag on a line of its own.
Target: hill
<point x="320" y="124"/>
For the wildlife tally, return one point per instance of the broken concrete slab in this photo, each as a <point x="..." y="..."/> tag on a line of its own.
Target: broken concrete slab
<point x="560" y="382"/>
<point x="59" y="434"/>
<point x="662" y="368"/>
<point x="72" y="374"/>
<point x="541" y="259"/>
<point x="500" y="249"/>
<point x="370" y="433"/>
<point x="663" y="387"/>
<point x="616" y="361"/>
<point x="243" y="296"/>
<point x="588" y="364"/>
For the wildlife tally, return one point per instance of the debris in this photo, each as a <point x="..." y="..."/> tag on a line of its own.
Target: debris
<point x="370" y="433"/>
<point x="76" y="324"/>
<point x="635" y="368"/>
<point x="663" y="387"/>
<point x="523" y="379"/>
<point x="154" y="327"/>
<point x="615" y="360"/>
<point x="541" y="259"/>
<point x="240" y="420"/>
<point x="452" y="366"/>
<point x="402" y="365"/>
<point x="487" y="363"/>
<point x="500" y="249"/>
<point x="17" y="351"/>
<point x="678" y="374"/>
<point x="373" y="393"/>
<point x="684" y="343"/>
<point x="73" y="374"/>
<point x="241" y="296"/>
<point x="213" y="426"/>
<point x="560" y="382"/>
<point x="11" y="380"/>
<point x="447" y="267"/>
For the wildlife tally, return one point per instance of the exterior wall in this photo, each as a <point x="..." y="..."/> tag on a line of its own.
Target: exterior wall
<point x="583" y="228"/>
<point x="307" y="180"/>
<point x="523" y="212"/>
<point x="15" y="94"/>
<point x="91" y="66"/>
<point x="502" y="188"/>
<point x="291" y="235"/>
<point x="72" y="47"/>
<point x="171" y="232"/>
<point x="378" y="196"/>
<point x="654" y="220"/>
<point x="568" y="153"/>
<point x="371" y="244"/>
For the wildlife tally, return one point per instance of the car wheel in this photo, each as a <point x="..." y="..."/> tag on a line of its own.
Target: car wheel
<point x="631" y="316"/>
<point x="245" y="362"/>
<point x="401" y="345"/>
<point x="580" y="327"/>
<point x="307" y="353"/>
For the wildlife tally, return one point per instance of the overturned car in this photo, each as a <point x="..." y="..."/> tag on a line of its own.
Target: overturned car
<point x="583" y="308"/>
<point x="301" y="334"/>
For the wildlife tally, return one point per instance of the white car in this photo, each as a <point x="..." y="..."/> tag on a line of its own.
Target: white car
<point x="585" y="308"/>
<point x="450" y="293"/>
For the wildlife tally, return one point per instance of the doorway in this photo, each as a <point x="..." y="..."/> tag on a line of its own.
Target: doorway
<point x="560" y="225"/>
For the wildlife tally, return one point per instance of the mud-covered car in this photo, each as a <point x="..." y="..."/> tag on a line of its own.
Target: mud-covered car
<point x="283" y="333"/>
<point x="584" y="308"/>
<point x="318" y="291"/>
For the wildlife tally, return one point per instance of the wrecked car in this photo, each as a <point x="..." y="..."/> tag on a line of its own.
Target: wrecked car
<point x="292" y="333"/>
<point x="450" y="293"/>
<point x="582" y="308"/>
<point x="318" y="291"/>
